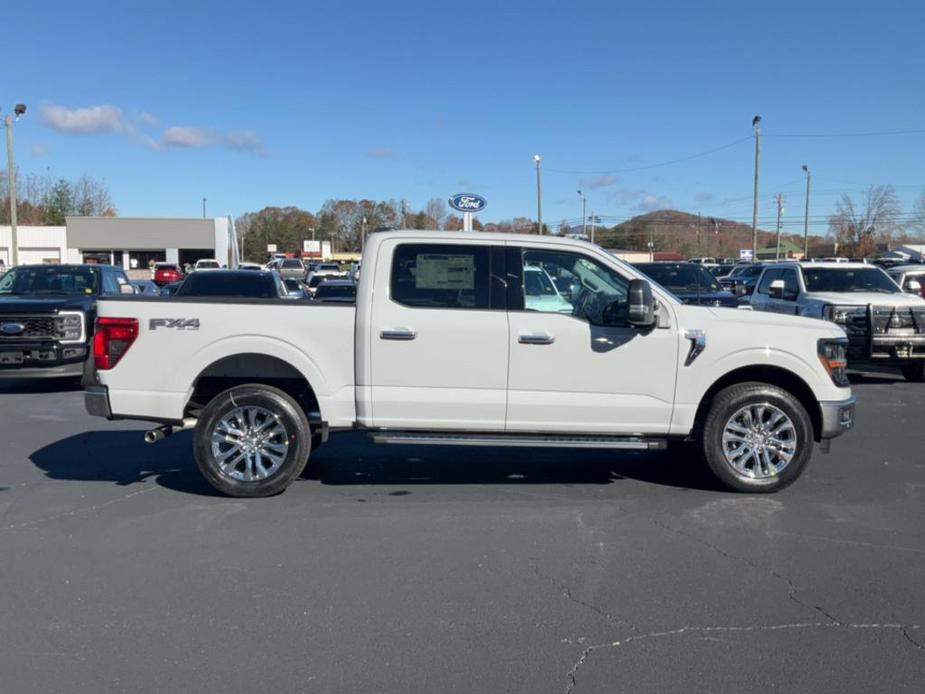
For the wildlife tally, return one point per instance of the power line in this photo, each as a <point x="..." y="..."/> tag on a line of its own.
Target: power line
<point x="862" y="134"/>
<point x="653" y="166"/>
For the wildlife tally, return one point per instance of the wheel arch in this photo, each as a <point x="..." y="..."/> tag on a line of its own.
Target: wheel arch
<point x="763" y="373"/>
<point x="253" y="367"/>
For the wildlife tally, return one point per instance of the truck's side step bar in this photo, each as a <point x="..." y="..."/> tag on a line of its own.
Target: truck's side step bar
<point x="416" y="438"/>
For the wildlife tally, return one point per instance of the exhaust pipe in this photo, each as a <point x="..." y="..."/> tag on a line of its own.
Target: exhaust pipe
<point x="162" y="432"/>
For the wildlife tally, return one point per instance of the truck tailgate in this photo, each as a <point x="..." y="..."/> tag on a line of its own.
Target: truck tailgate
<point x="179" y="338"/>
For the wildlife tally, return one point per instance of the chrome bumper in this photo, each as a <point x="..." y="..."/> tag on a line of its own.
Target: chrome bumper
<point x="96" y="401"/>
<point x="837" y="417"/>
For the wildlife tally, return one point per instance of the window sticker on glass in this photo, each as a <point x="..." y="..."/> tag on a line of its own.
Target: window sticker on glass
<point x="444" y="271"/>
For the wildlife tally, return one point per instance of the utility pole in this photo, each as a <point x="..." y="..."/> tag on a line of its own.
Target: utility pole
<point x="363" y="235"/>
<point x="756" y="124"/>
<point x="592" y="226"/>
<point x="539" y="195"/>
<point x="18" y="111"/>
<point x="651" y="244"/>
<point x="584" y="217"/>
<point x="312" y="229"/>
<point x="809" y="177"/>
<point x="780" y="208"/>
<point x="203" y="208"/>
<point x="699" y="235"/>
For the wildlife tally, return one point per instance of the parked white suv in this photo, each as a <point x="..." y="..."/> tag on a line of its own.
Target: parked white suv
<point x="884" y="324"/>
<point x="446" y="346"/>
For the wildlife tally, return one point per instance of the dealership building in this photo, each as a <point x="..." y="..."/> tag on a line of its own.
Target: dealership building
<point x="129" y="242"/>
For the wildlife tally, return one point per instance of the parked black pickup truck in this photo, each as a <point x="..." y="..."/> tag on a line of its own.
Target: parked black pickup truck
<point x="47" y="314"/>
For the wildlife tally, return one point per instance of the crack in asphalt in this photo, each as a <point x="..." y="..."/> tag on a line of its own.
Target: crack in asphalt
<point x="567" y="592"/>
<point x="76" y="511"/>
<point x="571" y="675"/>
<point x="793" y="587"/>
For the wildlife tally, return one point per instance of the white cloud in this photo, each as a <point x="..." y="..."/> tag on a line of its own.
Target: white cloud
<point x="382" y="153"/>
<point x="704" y="197"/>
<point x="149" y="119"/>
<point x="650" y="203"/>
<point x="92" y="120"/>
<point x="245" y="141"/>
<point x="188" y="137"/>
<point x="603" y="181"/>
<point x="39" y="150"/>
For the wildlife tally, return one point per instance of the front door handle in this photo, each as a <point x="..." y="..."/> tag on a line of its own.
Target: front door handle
<point x="397" y="334"/>
<point x="536" y="339"/>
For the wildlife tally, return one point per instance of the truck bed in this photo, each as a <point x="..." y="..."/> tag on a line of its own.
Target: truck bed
<point x="180" y="338"/>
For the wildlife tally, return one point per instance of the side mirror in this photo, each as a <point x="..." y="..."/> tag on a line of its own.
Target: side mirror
<point x="776" y="290"/>
<point x="641" y="308"/>
<point x="914" y="287"/>
<point x="126" y="289"/>
<point x="739" y="290"/>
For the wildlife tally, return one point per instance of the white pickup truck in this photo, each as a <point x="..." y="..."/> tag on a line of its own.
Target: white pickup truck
<point x="444" y="348"/>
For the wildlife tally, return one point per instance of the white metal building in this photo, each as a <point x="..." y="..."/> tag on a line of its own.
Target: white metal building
<point x="129" y="242"/>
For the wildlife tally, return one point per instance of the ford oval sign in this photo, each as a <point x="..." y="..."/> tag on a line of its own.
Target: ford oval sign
<point x="12" y="328"/>
<point x="468" y="202"/>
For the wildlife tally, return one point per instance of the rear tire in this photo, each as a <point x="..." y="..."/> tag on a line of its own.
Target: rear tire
<point x="757" y="437"/>
<point x="914" y="372"/>
<point x="252" y="441"/>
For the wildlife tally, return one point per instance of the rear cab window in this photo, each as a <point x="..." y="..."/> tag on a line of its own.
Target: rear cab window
<point x="450" y="276"/>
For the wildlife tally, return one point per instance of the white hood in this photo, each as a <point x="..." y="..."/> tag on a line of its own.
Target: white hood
<point x="864" y="298"/>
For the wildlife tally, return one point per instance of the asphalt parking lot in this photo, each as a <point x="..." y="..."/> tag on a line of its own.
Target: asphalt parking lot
<point x="397" y="569"/>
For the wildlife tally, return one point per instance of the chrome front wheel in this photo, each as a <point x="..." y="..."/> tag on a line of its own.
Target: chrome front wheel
<point x="759" y="441"/>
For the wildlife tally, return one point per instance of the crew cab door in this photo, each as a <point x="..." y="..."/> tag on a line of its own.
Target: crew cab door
<point x="576" y="367"/>
<point x="438" y="336"/>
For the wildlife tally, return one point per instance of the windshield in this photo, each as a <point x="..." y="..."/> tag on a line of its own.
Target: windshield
<point x="291" y="264"/>
<point x="49" y="280"/>
<point x="329" y="266"/>
<point x="332" y="291"/>
<point x="537" y="283"/>
<point x="245" y="284"/>
<point x="746" y="271"/>
<point x="679" y="277"/>
<point x="831" y="279"/>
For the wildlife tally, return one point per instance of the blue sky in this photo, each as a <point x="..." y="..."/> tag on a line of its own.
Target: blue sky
<point x="254" y="104"/>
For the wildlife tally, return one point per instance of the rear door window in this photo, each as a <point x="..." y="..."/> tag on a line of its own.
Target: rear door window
<point x="442" y="276"/>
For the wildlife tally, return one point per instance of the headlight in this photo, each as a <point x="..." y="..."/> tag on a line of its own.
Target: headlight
<point x="69" y="327"/>
<point x="833" y="355"/>
<point x="841" y="314"/>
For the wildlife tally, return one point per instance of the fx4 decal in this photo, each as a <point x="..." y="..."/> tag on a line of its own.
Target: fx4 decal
<point x="175" y="323"/>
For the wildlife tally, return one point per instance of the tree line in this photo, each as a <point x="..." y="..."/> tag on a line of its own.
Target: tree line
<point x="44" y="199"/>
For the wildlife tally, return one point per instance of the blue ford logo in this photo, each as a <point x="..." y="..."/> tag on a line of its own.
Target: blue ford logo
<point x="12" y="328"/>
<point x="468" y="202"/>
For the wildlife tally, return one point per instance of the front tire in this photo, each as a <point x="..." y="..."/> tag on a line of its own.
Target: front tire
<point x="757" y="437"/>
<point x="914" y="372"/>
<point x="252" y="441"/>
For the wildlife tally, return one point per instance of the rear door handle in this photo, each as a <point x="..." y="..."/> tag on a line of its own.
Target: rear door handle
<point x="536" y="339"/>
<point x="397" y="334"/>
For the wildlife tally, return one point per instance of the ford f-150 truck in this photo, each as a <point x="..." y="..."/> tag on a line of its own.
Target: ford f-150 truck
<point x="443" y="347"/>
<point x="884" y="324"/>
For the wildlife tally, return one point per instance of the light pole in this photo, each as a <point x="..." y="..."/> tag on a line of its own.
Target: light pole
<point x="203" y="208"/>
<point x="363" y="235"/>
<point x="18" y="111"/>
<point x="539" y="195"/>
<point x="756" y="124"/>
<point x="584" y="218"/>
<point x="780" y="209"/>
<point x="809" y="177"/>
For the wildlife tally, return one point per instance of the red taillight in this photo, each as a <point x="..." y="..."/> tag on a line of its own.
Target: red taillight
<point x="112" y="339"/>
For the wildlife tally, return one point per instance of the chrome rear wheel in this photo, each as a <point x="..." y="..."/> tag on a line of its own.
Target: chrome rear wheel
<point x="249" y="443"/>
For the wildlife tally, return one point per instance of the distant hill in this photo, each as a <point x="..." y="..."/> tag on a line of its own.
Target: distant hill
<point x="685" y="233"/>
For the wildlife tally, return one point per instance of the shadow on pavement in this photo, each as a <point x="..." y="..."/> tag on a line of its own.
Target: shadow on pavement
<point x="122" y="457"/>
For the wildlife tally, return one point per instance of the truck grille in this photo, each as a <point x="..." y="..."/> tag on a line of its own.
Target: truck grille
<point x="34" y="328"/>
<point x="886" y="320"/>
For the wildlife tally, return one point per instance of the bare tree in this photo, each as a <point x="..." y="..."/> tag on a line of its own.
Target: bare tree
<point x="436" y="211"/>
<point x="859" y="226"/>
<point x="91" y="198"/>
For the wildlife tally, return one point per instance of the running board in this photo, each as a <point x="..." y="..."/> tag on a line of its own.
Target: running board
<point x="633" y="443"/>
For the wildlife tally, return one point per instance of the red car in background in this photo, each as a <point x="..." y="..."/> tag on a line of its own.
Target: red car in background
<point x="167" y="273"/>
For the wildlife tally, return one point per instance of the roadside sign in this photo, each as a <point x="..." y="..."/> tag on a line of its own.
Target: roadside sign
<point x="271" y="248"/>
<point x="745" y="254"/>
<point x="468" y="204"/>
<point x="312" y="248"/>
